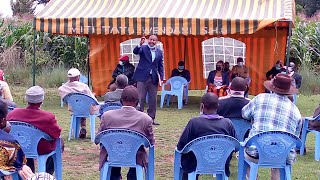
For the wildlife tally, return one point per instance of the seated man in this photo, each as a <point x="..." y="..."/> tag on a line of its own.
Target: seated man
<point x="209" y="122"/>
<point x="127" y="118"/>
<point x="75" y="86"/>
<point x="230" y="106"/>
<point x="12" y="158"/>
<point x="182" y="72"/>
<point x="273" y="112"/>
<point x="114" y="97"/>
<point x="124" y="67"/>
<point x="43" y="120"/>
<point x="240" y="70"/>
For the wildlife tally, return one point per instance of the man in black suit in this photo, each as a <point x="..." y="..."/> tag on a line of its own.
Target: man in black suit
<point x="149" y="73"/>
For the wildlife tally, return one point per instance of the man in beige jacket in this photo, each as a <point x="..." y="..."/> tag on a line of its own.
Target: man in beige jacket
<point x="127" y="118"/>
<point x="73" y="86"/>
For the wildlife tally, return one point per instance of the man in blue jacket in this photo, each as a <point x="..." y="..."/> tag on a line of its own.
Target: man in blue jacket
<point x="149" y="73"/>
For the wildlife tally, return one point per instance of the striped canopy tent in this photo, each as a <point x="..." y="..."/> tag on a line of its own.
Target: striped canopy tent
<point x="181" y="25"/>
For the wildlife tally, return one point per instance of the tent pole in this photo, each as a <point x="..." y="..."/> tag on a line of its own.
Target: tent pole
<point x="34" y="59"/>
<point x="88" y="63"/>
<point x="288" y="47"/>
<point x="185" y="47"/>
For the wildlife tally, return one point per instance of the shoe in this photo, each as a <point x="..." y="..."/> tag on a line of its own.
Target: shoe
<point x="184" y="102"/>
<point x="155" y="123"/>
<point x="304" y="152"/>
<point x="83" y="133"/>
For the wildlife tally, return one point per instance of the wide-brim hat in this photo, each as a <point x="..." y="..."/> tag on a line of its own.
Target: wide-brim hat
<point x="281" y="84"/>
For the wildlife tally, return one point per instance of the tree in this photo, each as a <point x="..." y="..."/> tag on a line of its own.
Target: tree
<point x="309" y="7"/>
<point x="20" y="7"/>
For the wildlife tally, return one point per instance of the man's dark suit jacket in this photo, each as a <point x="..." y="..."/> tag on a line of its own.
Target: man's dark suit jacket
<point x="145" y="65"/>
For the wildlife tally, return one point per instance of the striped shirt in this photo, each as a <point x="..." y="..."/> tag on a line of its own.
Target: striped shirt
<point x="272" y="112"/>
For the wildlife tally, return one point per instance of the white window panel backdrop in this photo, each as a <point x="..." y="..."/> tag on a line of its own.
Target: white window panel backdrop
<point x="225" y="49"/>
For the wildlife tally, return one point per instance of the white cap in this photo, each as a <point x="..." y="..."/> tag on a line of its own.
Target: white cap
<point x="35" y="94"/>
<point x="73" y="72"/>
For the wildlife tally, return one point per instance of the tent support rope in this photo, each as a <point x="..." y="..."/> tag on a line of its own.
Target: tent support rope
<point x="34" y="59"/>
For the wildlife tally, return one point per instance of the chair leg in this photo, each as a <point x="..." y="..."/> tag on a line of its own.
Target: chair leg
<point x="105" y="172"/>
<point x="168" y="100"/>
<point x="219" y="177"/>
<point x="303" y="137"/>
<point x="253" y="172"/>
<point x="139" y="172"/>
<point x="61" y="103"/>
<point x="57" y="160"/>
<point x="162" y="100"/>
<point x="180" y="103"/>
<point x="71" y="128"/>
<point x="192" y="176"/>
<point x="317" y="147"/>
<point x="288" y="172"/>
<point x="77" y="123"/>
<point x="42" y="163"/>
<point x="92" y="127"/>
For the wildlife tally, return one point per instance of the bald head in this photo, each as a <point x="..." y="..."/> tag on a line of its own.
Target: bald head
<point x="209" y="102"/>
<point x="153" y="40"/>
<point x="130" y="96"/>
<point x="121" y="81"/>
<point x="238" y="84"/>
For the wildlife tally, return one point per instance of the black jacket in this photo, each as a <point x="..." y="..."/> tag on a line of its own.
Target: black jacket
<point x="127" y="69"/>
<point x="185" y="73"/>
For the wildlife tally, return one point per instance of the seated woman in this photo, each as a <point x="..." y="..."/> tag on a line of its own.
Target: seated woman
<point x="6" y="93"/>
<point x="12" y="158"/>
<point x="218" y="80"/>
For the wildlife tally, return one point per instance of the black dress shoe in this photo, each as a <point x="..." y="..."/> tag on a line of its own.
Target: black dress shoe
<point x="155" y="123"/>
<point x="83" y="133"/>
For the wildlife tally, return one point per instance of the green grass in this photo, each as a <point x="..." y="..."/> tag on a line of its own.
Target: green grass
<point x="80" y="159"/>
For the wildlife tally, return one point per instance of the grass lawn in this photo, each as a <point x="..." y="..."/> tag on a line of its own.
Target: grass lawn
<point x="80" y="159"/>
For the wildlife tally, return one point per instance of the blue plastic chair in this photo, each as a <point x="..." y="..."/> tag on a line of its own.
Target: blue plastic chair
<point x="15" y="175"/>
<point x="273" y="148"/>
<point x="82" y="79"/>
<point x="80" y="104"/>
<point x="211" y="152"/>
<point x="122" y="146"/>
<point x="177" y="87"/>
<point x="295" y="97"/>
<point x="305" y="131"/>
<point x="241" y="127"/>
<point x="28" y="137"/>
<point x="109" y="106"/>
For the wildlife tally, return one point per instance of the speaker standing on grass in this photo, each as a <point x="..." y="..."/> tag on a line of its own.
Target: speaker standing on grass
<point x="149" y="73"/>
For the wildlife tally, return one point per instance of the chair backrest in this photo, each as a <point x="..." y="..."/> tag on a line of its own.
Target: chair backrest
<point x="109" y="106"/>
<point x="80" y="103"/>
<point x="274" y="146"/>
<point x="122" y="145"/>
<point x="212" y="152"/>
<point x="83" y="79"/>
<point x="28" y="137"/>
<point x="317" y="118"/>
<point x="241" y="126"/>
<point x="177" y="83"/>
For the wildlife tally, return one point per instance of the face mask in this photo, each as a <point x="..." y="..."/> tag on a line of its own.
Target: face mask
<point x="121" y="63"/>
<point x="180" y="67"/>
<point x="240" y="64"/>
<point x="218" y="68"/>
<point x="152" y="47"/>
<point x="226" y="69"/>
<point x="283" y="72"/>
<point x="278" y="66"/>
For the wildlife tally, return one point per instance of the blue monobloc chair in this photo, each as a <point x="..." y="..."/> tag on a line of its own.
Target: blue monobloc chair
<point x="305" y="131"/>
<point x="211" y="152"/>
<point x="177" y="87"/>
<point x="109" y="106"/>
<point x="82" y="79"/>
<point x="273" y="148"/>
<point x="80" y="104"/>
<point x="122" y="146"/>
<point x="28" y="137"/>
<point x="10" y="108"/>
<point x="241" y="127"/>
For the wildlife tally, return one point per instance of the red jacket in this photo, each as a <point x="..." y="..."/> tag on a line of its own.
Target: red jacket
<point x="45" y="121"/>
